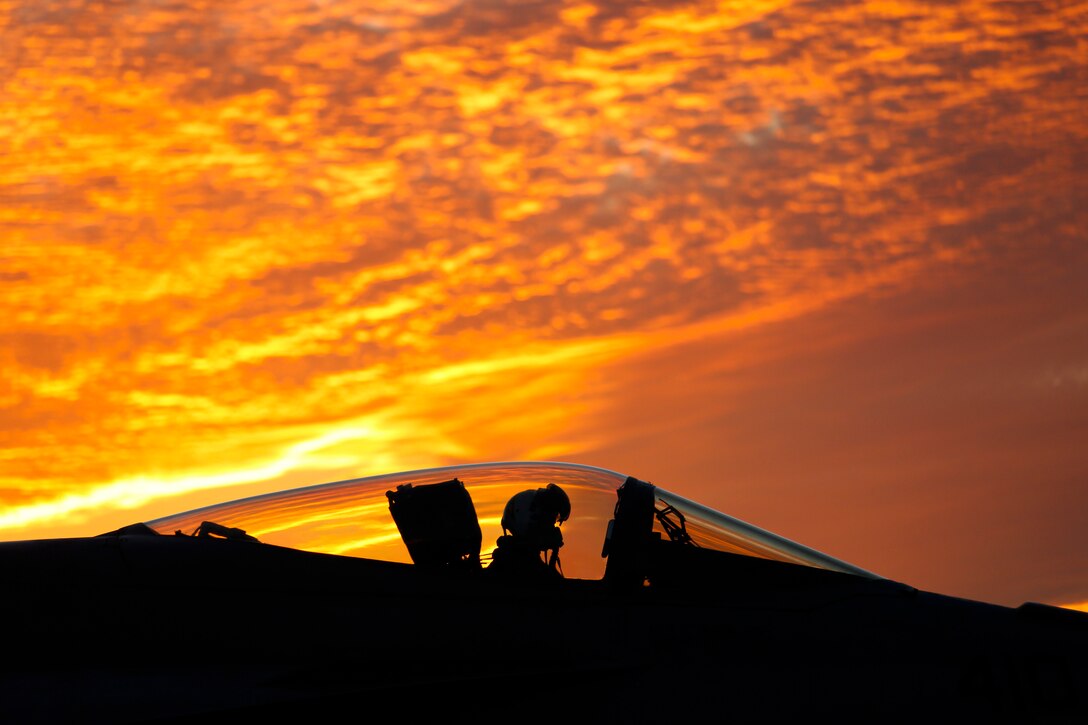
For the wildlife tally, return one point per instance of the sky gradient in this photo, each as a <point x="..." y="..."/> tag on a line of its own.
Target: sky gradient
<point x="820" y="265"/>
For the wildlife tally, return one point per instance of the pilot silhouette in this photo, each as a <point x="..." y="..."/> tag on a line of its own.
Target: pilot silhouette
<point x="529" y="546"/>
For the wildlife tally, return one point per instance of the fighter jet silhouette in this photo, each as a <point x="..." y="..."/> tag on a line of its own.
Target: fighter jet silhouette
<point x="603" y="597"/>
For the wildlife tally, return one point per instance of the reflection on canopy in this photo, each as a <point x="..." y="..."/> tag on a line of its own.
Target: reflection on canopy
<point x="712" y="529"/>
<point x="352" y="517"/>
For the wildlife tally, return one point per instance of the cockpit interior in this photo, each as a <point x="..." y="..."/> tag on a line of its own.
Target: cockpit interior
<point x="599" y="524"/>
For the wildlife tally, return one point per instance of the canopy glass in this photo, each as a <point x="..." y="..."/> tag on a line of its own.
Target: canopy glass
<point x="352" y="517"/>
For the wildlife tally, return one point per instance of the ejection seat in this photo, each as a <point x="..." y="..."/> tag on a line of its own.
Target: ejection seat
<point x="438" y="524"/>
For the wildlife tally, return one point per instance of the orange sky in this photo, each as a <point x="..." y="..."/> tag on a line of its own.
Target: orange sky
<point x="819" y="265"/>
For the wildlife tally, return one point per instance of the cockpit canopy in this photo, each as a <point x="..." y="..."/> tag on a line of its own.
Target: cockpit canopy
<point x="352" y="518"/>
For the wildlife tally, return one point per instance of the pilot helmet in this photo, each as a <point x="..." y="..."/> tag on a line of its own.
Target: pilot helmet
<point x="533" y="515"/>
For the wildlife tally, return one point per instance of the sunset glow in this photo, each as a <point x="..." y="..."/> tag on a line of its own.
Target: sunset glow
<point x="820" y="265"/>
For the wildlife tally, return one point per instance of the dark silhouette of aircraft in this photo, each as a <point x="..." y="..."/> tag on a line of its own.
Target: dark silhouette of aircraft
<point x="383" y="598"/>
